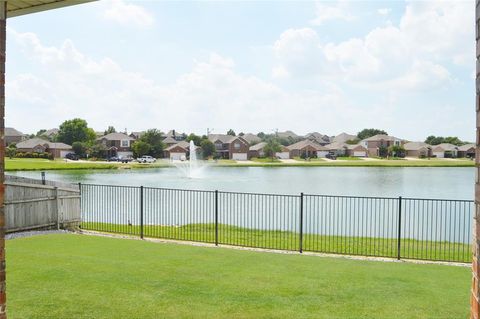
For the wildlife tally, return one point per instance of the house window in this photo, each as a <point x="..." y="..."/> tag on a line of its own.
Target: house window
<point x="218" y="146"/>
<point x="125" y="143"/>
<point x="397" y="143"/>
<point x="236" y="145"/>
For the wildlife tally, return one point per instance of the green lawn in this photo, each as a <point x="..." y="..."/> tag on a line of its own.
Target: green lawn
<point x="32" y="164"/>
<point x="285" y="240"/>
<point x="75" y="276"/>
<point x="348" y="158"/>
<point x="265" y="160"/>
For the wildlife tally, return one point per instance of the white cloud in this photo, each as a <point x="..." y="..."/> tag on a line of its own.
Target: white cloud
<point x="384" y="11"/>
<point x="71" y="84"/>
<point x="128" y="14"/>
<point x="329" y="12"/>
<point x="431" y="36"/>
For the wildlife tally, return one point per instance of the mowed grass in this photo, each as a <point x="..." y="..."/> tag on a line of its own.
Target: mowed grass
<point x="33" y="164"/>
<point x="286" y="240"/>
<point x="77" y="276"/>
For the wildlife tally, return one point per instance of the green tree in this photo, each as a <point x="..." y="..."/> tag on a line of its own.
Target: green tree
<point x="353" y="142"/>
<point x="208" y="148"/>
<point x="80" y="148"/>
<point x="154" y="138"/>
<point x="271" y="148"/>
<point x="195" y="138"/>
<point x="41" y="132"/>
<point x="141" y="148"/>
<point x="97" y="151"/>
<point x="261" y="135"/>
<point x="109" y="130"/>
<point x="11" y="150"/>
<point x="397" y="151"/>
<point x="75" y="130"/>
<point x="369" y="132"/>
<point x="231" y="132"/>
<point x="453" y="140"/>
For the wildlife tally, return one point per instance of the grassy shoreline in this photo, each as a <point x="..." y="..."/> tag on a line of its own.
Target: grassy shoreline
<point x="42" y="164"/>
<point x="287" y="240"/>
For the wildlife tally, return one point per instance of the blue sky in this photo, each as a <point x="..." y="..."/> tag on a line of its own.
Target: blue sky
<point x="332" y="67"/>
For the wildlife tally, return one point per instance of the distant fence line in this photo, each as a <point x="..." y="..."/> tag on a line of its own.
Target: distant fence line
<point x="396" y="227"/>
<point x="35" y="204"/>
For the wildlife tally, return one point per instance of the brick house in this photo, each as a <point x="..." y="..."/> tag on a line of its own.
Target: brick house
<point x="38" y="145"/>
<point x="343" y="149"/>
<point x="13" y="136"/>
<point x="308" y="149"/>
<point x="445" y="150"/>
<point x="180" y="151"/>
<point x="418" y="149"/>
<point x="257" y="151"/>
<point x="318" y="138"/>
<point x="376" y="143"/>
<point x="467" y="150"/>
<point x="230" y="147"/>
<point x="117" y="144"/>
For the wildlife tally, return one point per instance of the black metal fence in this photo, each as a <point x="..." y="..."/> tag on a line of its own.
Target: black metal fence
<point x="410" y="228"/>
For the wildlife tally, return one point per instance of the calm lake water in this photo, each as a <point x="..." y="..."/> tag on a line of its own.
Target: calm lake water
<point x="422" y="182"/>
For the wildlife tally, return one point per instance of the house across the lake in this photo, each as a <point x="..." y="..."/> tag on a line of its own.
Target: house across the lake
<point x="307" y="148"/>
<point x="13" y="136"/>
<point x="230" y="147"/>
<point x="343" y="149"/>
<point x="257" y="150"/>
<point x="378" y="145"/>
<point x="418" y="149"/>
<point x="180" y="151"/>
<point x="467" y="150"/>
<point x="445" y="150"/>
<point x="117" y="144"/>
<point x="38" y="145"/>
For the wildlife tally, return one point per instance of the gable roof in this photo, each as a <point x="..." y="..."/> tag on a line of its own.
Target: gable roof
<point x="258" y="147"/>
<point x="415" y="146"/>
<point x="116" y="137"/>
<point x="31" y="143"/>
<point x="10" y="131"/>
<point x="380" y="137"/>
<point x="445" y="147"/>
<point x="466" y="147"/>
<point x="225" y="138"/>
<point x="169" y="140"/>
<point x="343" y="137"/>
<point x="251" y="138"/>
<point x="305" y="143"/>
<point x="51" y="132"/>
<point x="286" y="134"/>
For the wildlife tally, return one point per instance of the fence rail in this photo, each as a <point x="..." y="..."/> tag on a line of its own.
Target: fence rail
<point x="410" y="228"/>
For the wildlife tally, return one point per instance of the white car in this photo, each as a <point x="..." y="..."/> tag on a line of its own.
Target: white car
<point x="146" y="159"/>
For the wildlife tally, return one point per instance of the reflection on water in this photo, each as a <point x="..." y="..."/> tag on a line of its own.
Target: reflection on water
<point x="434" y="182"/>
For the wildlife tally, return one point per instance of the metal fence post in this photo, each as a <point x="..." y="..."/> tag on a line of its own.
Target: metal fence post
<point x="300" y="240"/>
<point x="399" y="233"/>
<point x="141" y="212"/>
<point x="216" y="218"/>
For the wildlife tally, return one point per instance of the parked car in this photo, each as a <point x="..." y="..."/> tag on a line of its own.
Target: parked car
<point x="331" y="156"/>
<point x="72" y="156"/>
<point x="125" y="159"/>
<point x="112" y="159"/>
<point x="146" y="159"/>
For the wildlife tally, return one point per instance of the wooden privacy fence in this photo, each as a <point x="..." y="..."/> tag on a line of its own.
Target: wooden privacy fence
<point x="29" y="204"/>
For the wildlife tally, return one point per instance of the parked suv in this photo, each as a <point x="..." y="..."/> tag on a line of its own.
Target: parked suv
<point x="146" y="159"/>
<point x="72" y="156"/>
<point x="331" y="156"/>
<point x="125" y="159"/>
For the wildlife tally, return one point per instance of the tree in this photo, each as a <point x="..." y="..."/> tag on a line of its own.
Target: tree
<point x="154" y="138"/>
<point x="397" y="151"/>
<point x="435" y="140"/>
<point x="11" y="151"/>
<point x="195" y="138"/>
<point x="231" y="132"/>
<point x="261" y="135"/>
<point x="75" y="130"/>
<point x="369" y="132"/>
<point x="140" y="148"/>
<point x="97" y="151"/>
<point x="271" y="148"/>
<point x="79" y="148"/>
<point x="208" y="148"/>
<point x="109" y="130"/>
<point x="241" y="134"/>
<point x="41" y="132"/>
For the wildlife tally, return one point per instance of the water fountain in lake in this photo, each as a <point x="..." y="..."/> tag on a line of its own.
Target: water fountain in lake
<point x="191" y="168"/>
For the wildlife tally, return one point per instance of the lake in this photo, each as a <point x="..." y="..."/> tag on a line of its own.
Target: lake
<point x="420" y="182"/>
